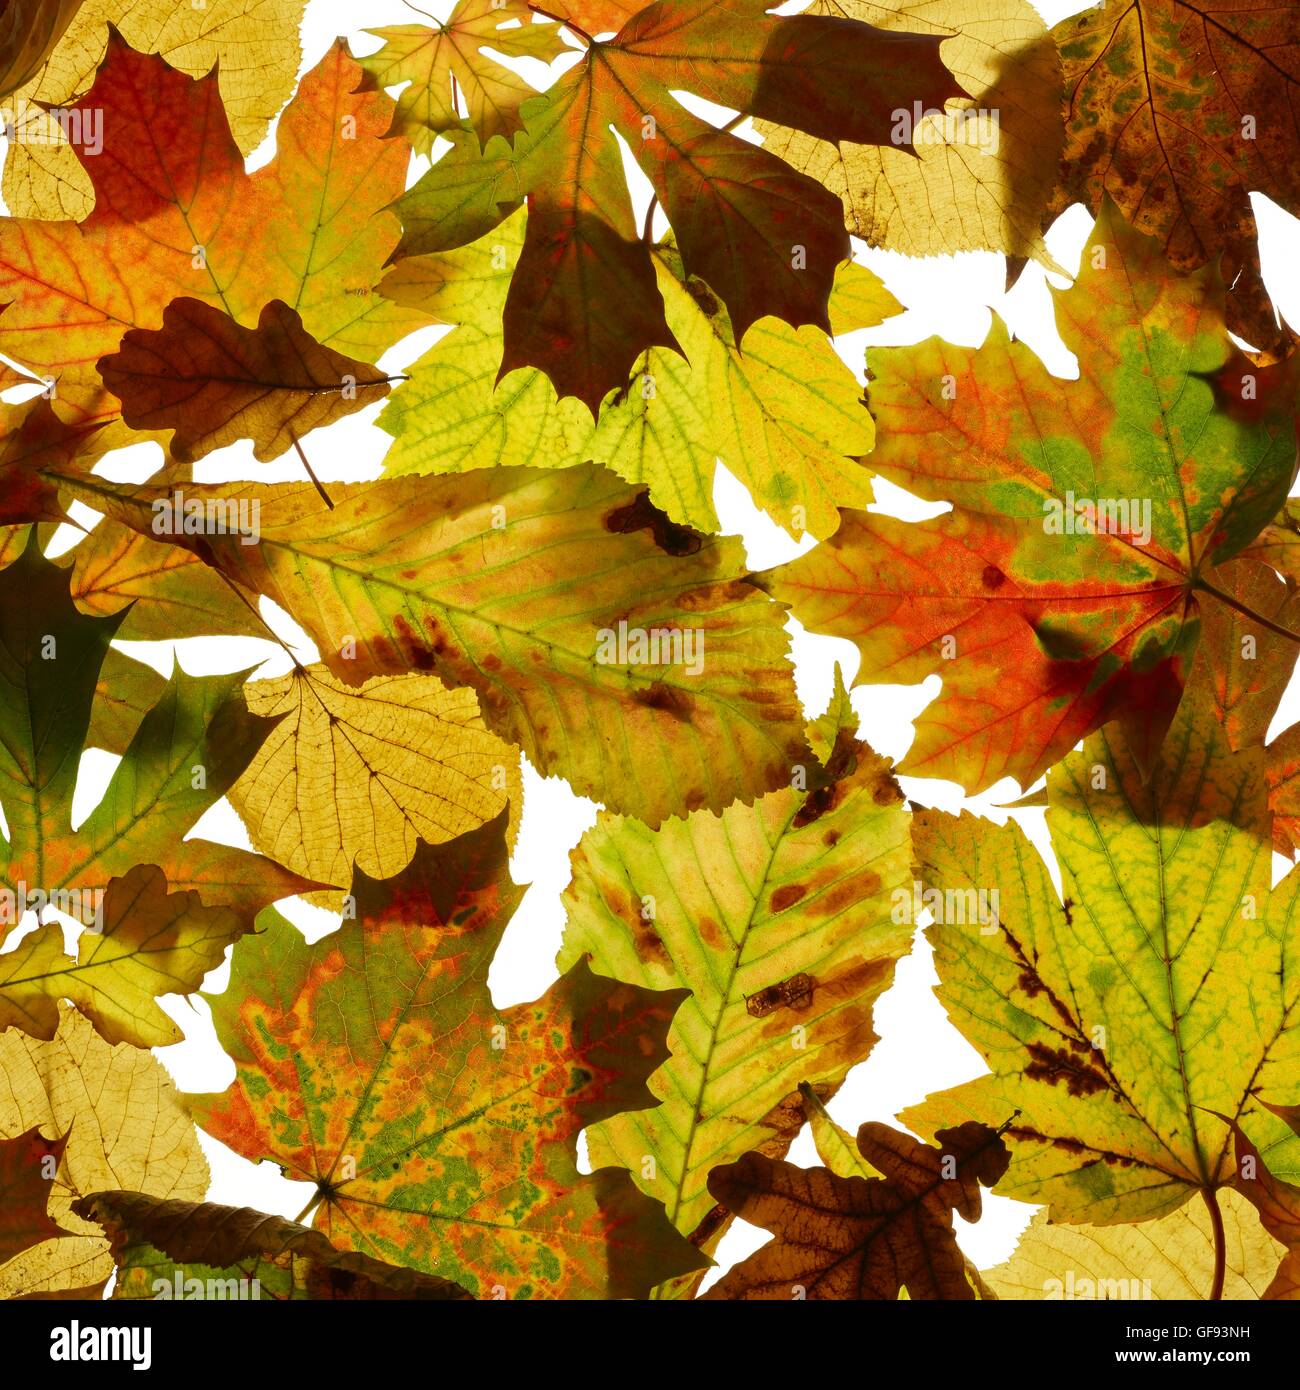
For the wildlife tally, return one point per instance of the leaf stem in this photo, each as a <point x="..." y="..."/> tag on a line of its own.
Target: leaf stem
<point x="325" y="495"/>
<point x="559" y="19"/>
<point x="649" y="218"/>
<point x="1220" y="1244"/>
<point x="1206" y="587"/>
<point x="253" y="609"/>
<point x="309" y="1208"/>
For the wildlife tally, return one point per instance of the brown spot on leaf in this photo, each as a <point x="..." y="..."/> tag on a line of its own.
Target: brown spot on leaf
<point x="642" y="514"/>
<point x="992" y="577"/>
<point x="794" y="993"/>
<point x="854" y="889"/>
<point x="1057" y="1067"/>
<point x="787" y="895"/>
<point x="670" y="699"/>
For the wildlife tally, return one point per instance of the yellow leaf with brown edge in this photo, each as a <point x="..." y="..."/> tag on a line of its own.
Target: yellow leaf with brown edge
<point x="124" y="1126"/>
<point x="358" y="775"/>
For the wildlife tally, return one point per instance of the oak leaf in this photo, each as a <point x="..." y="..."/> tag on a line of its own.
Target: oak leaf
<point x="146" y="943"/>
<point x="440" y="1131"/>
<point x="174" y="203"/>
<point x="862" y="1238"/>
<point x="214" y="382"/>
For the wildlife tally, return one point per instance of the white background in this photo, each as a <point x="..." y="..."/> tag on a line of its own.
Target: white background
<point x="919" y="1051"/>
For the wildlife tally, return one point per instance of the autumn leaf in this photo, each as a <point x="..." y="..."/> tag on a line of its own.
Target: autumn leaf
<point x="172" y="202"/>
<point x="170" y="1249"/>
<point x="1121" y="1022"/>
<point x="1064" y="589"/>
<point x="124" y="693"/>
<point x="1172" y="1258"/>
<point x="438" y="65"/>
<point x="254" y="43"/>
<point x="1277" y="1202"/>
<point x="28" y="1163"/>
<point x="1278" y="544"/>
<point x="147" y="943"/>
<point x="1178" y="111"/>
<point x="544" y="592"/>
<point x="29" y="30"/>
<point x="35" y="440"/>
<point x="440" y="1131"/>
<point x="124" y="1127"/>
<point x="778" y="917"/>
<point x="1282" y="769"/>
<point x="157" y="592"/>
<point x="1249" y="661"/>
<point x="583" y="303"/>
<point x="186" y="751"/>
<point x="984" y="166"/>
<point x="786" y="416"/>
<point x="359" y="775"/>
<point x="213" y="382"/>
<point x="840" y="1238"/>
